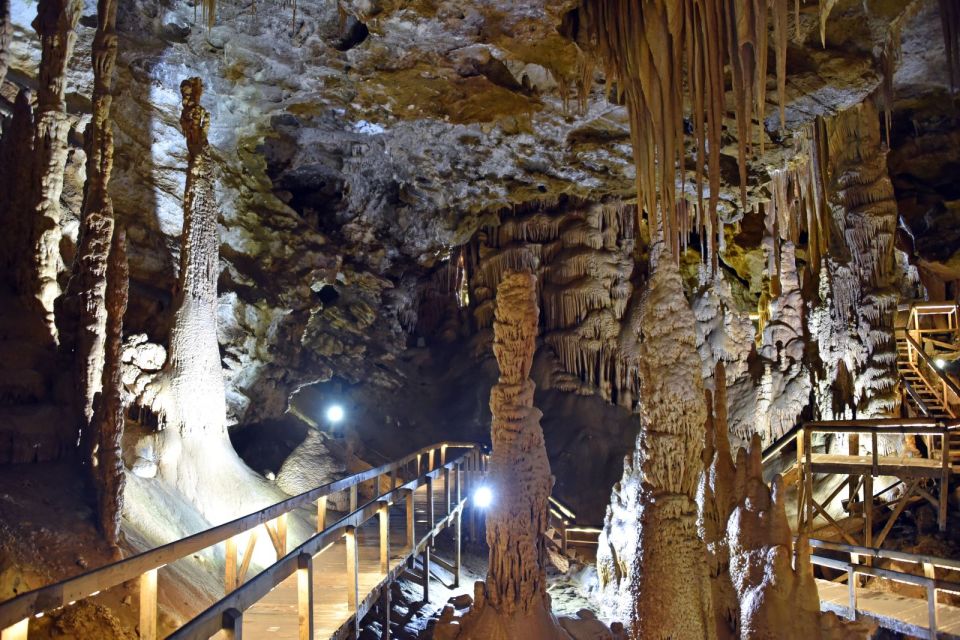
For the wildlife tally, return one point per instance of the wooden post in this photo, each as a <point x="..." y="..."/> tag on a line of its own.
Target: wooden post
<point x="321" y="513"/>
<point x="232" y="624"/>
<point x="418" y="464"/>
<point x="446" y="489"/>
<point x="385" y="612"/>
<point x="305" y="596"/>
<point x="411" y="519"/>
<point x="384" y="537"/>
<point x="430" y="460"/>
<point x="148" y="605"/>
<point x="808" y="476"/>
<point x="944" y="481"/>
<point x="456" y="550"/>
<point x="17" y="631"/>
<point x="353" y="498"/>
<point x="868" y="510"/>
<point x="443" y="454"/>
<point x="353" y="570"/>
<point x="876" y="453"/>
<point x="230" y="571"/>
<point x="852" y="590"/>
<point x="426" y="573"/>
<point x="430" y="516"/>
<point x="457" y="483"/>
<point x="928" y="571"/>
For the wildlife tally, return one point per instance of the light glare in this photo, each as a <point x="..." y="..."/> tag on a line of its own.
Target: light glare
<point x="940" y="362"/>
<point x="483" y="497"/>
<point x="335" y="413"/>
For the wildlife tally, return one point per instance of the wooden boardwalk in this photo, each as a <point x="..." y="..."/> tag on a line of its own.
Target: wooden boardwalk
<point x="275" y="617"/>
<point x="893" y="611"/>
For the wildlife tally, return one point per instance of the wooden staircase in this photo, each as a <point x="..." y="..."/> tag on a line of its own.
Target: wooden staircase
<point x="928" y="337"/>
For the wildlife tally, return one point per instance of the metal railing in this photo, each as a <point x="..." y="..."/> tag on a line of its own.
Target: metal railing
<point x="15" y="613"/>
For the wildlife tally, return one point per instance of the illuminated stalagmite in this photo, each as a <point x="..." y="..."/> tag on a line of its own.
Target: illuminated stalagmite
<point x="55" y="24"/>
<point x="194" y="450"/>
<point x="659" y="584"/>
<point x="514" y="603"/>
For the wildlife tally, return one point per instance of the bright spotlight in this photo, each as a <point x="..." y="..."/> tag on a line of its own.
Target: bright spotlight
<point x="483" y="497"/>
<point x="334" y="413"/>
<point x="940" y="362"/>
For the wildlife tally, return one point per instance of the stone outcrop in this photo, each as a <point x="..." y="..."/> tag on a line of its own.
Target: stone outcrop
<point x="513" y="602"/>
<point x="652" y="559"/>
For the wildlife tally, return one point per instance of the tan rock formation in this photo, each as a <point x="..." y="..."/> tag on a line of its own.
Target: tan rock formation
<point x="89" y="283"/>
<point x="660" y="585"/>
<point x="514" y="603"/>
<point x="109" y="414"/>
<point x="55" y="24"/>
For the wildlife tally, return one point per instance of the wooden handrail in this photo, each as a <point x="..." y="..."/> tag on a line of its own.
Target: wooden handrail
<point x="945" y="380"/>
<point x="886" y="554"/>
<point x="916" y="397"/>
<point x="210" y="621"/>
<point x="86" y="584"/>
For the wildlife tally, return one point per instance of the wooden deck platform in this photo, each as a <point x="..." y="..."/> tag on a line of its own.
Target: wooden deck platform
<point x="275" y="617"/>
<point x="899" y="466"/>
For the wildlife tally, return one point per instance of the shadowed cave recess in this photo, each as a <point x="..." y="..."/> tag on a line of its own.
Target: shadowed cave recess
<point x="674" y="283"/>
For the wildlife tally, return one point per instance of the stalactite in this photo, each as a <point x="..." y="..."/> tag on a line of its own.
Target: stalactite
<point x="650" y="48"/>
<point x="55" y="24"/>
<point x="109" y="472"/>
<point x="89" y="283"/>
<point x="513" y="603"/>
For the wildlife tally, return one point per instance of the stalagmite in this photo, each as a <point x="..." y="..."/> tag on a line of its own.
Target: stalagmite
<point x="660" y="585"/>
<point x="109" y="415"/>
<point x="194" y="450"/>
<point x="55" y="24"/>
<point x="90" y="281"/>
<point x="514" y="603"/>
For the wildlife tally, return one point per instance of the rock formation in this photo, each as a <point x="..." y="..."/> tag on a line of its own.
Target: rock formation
<point x="194" y="453"/>
<point x="513" y="603"/>
<point x="109" y="413"/>
<point x="659" y="584"/>
<point x="6" y="32"/>
<point x="55" y="24"/>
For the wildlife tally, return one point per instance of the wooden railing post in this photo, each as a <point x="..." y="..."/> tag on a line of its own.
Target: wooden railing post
<point x="426" y="573"/>
<point x="430" y="460"/>
<point x="928" y="571"/>
<point x="808" y="477"/>
<point x="852" y="591"/>
<point x="230" y="570"/>
<point x="411" y="520"/>
<point x="148" y="605"/>
<point x="457" y="483"/>
<point x="353" y="498"/>
<point x="443" y="454"/>
<point x="305" y="596"/>
<point x="418" y="465"/>
<point x="944" y="481"/>
<point x="16" y="631"/>
<point x="430" y="517"/>
<point x="446" y="489"/>
<point x="458" y="531"/>
<point x="353" y="570"/>
<point x="321" y="513"/>
<point x="385" y="612"/>
<point x="232" y="624"/>
<point x="385" y="537"/>
<point x="867" y="510"/>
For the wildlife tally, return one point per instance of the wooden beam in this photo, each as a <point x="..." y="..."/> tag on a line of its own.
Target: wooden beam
<point x="411" y="521"/>
<point x="353" y="498"/>
<point x="867" y="510"/>
<point x="385" y="612"/>
<point x="321" y="513"/>
<point x="230" y="570"/>
<point x="446" y="489"/>
<point x="431" y="521"/>
<point x="384" y="537"/>
<point x="833" y="522"/>
<point x="148" y="605"/>
<point x="353" y="570"/>
<point x="247" y="557"/>
<point x="457" y="536"/>
<point x="305" y="596"/>
<point x="426" y="573"/>
<point x="17" y="631"/>
<point x="901" y="504"/>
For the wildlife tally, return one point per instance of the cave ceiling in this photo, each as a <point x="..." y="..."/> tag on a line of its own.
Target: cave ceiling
<point x="360" y="142"/>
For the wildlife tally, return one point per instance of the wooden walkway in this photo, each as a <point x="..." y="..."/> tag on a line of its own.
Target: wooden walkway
<point x="892" y="611"/>
<point x="275" y="617"/>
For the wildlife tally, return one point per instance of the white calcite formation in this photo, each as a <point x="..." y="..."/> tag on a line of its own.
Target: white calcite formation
<point x="658" y="584"/>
